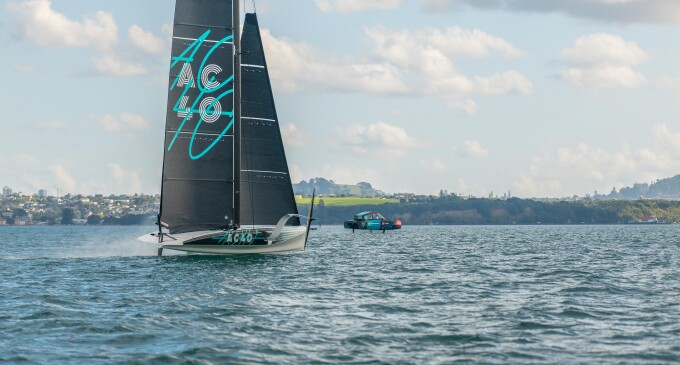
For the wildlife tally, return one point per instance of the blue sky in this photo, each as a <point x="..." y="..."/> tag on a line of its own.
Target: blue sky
<point x="541" y="98"/>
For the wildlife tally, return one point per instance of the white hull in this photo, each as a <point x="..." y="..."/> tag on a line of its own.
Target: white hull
<point x="290" y="239"/>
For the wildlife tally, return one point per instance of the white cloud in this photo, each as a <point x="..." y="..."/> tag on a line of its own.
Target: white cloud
<point x="127" y="181"/>
<point x="48" y="28"/>
<point x="25" y="160"/>
<point x="53" y="125"/>
<point x="297" y="66"/>
<point x="509" y="82"/>
<point x="23" y="166"/>
<point x="63" y="179"/>
<point x="436" y="165"/>
<point x="581" y="169"/>
<point x="602" y="60"/>
<point x="617" y="11"/>
<point x="466" y="105"/>
<point x="343" y="174"/>
<point x="601" y="48"/>
<point x="35" y="182"/>
<point x="292" y="136"/>
<point x="667" y="139"/>
<point x="125" y="122"/>
<point x="112" y="65"/>
<point x="398" y="47"/>
<point x="614" y="1"/>
<point x="433" y="72"/>
<point x="604" y="76"/>
<point x="296" y="174"/>
<point x="462" y="186"/>
<point x="4" y="34"/>
<point x="146" y="41"/>
<point x="33" y="173"/>
<point x="472" y="149"/>
<point x="352" y="6"/>
<point x="379" y="139"/>
<point x="439" y="6"/>
<point x="671" y="83"/>
<point x="26" y="68"/>
<point x="167" y="29"/>
<point x="393" y="69"/>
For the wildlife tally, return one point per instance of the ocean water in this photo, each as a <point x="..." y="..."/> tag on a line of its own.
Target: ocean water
<point x="422" y="295"/>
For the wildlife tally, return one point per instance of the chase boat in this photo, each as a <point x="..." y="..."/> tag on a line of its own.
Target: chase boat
<point x="372" y="221"/>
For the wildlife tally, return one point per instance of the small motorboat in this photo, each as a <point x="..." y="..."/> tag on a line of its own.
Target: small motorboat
<point x="372" y="221"/>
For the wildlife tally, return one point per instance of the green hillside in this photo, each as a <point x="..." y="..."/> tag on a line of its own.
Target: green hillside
<point x="454" y="210"/>
<point x="347" y="201"/>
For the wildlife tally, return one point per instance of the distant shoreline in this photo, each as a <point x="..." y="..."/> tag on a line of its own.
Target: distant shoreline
<point x="152" y="227"/>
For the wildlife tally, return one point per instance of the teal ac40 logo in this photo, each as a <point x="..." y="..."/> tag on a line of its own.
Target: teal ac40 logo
<point x="232" y="237"/>
<point x="207" y="105"/>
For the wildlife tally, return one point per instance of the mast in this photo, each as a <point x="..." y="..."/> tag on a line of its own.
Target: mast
<point x="237" y="110"/>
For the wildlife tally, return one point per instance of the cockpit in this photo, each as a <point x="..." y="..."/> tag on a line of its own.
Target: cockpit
<point x="368" y="216"/>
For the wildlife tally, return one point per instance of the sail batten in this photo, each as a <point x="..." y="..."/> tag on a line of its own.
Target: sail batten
<point x="264" y="119"/>
<point x="192" y="179"/>
<point x="267" y="172"/>
<point x="202" y="26"/>
<point x="203" y="134"/>
<point x="205" y="40"/>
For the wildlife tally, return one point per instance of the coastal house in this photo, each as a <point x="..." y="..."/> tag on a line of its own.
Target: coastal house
<point x="650" y="219"/>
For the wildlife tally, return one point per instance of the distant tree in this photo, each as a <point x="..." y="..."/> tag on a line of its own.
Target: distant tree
<point x="67" y="216"/>
<point x="130" y="220"/>
<point x="366" y="189"/>
<point x="323" y="186"/>
<point x="18" y="212"/>
<point x="94" y="220"/>
<point x="302" y="188"/>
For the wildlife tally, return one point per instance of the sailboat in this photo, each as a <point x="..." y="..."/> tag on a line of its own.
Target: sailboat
<point x="226" y="187"/>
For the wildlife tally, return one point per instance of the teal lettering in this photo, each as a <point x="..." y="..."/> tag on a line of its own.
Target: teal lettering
<point x="186" y="58"/>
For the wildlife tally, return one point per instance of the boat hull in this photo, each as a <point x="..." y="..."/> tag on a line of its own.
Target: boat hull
<point x="227" y="243"/>
<point x="377" y="225"/>
<point x="359" y="230"/>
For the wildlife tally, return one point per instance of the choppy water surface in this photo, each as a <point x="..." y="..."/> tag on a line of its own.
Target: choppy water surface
<point x="436" y="295"/>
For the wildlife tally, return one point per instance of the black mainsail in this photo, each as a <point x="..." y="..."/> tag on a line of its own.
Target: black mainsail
<point x="198" y="180"/>
<point x="266" y="189"/>
<point x="200" y="190"/>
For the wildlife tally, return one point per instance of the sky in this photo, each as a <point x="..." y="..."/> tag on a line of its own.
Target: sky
<point x="540" y="98"/>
